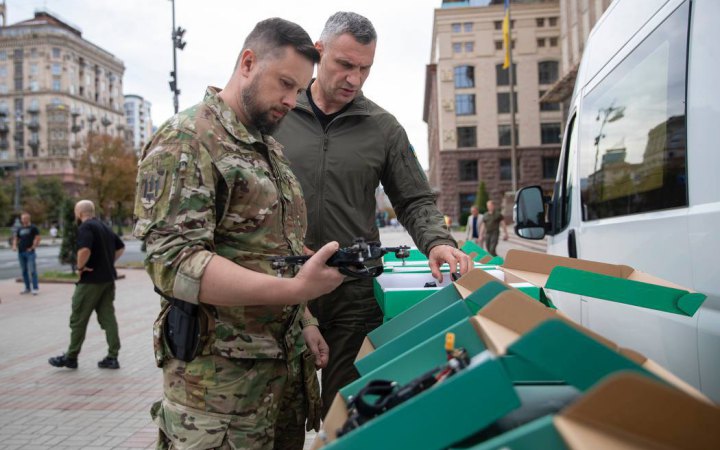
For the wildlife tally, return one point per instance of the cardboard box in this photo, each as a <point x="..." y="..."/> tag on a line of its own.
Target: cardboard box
<point x="628" y="412"/>
<point x="410" y="308"/>
<point x="617" y="283"/>
<point x="446" y="413"/>
<point x="397" y="292"/>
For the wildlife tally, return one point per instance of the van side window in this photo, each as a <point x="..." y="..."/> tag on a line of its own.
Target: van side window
<point x="633" y="154"/>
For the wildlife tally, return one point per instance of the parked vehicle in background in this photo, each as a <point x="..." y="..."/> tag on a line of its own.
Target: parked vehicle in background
<point x="639" y="176"/>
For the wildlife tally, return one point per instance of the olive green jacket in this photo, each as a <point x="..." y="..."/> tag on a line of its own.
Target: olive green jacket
<point x="340" y="168"/>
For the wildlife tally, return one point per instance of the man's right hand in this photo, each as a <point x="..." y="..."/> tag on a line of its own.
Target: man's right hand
<point x="315" y="277"/>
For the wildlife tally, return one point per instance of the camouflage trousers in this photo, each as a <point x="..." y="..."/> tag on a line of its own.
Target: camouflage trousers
<point x="218" y="403"/>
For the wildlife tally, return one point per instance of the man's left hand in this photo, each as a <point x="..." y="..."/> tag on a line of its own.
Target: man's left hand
<point x="458" y="260"/>
<point x="317" y="345"/>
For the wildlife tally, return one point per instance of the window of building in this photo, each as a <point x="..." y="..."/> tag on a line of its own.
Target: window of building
<point x="469" y="47"/>
<point x="553" y="42"/>
<point x="56" y="69"/>
<point x="548" y="72"/>
<point x="33" y="69"/>
<point x="55" y="52"/>
<point x="633" y="135"/>
<point x="466" y="137"/>
<point x="3" y="71"/>
<point x="457" y="47"/>
<point x="3" y="55"/>
<point x="18" y="84"/>
<point x="552" y="21"/>
<point x="505" y="169"/>
<point x="55" y="101"/>
<point x="464" y="104"/>
<point x="456" y="27"/>
<point x="545" y="106"/>
<point x="550" y="166"/>
<point x="504" y="135"/>
<point x="503" y="102"/>
<point x="3" y="88"/>
<point x="56" y="84"/>
<point x="498" y="45"/>
<point x="498" y="24"/>
<point x="467" y="27"/>
<point x="541" y="42"/>
<point x="540" y="22"/>
<point x="464" y="76"/>
<point x="503" y="75"/>
<point x="465" y="201"/>
<point x="467" y="170"/>
<point x="550" y="133"/>
<point x="33" y="52"/>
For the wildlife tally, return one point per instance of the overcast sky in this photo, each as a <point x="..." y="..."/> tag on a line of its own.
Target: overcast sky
<point x="138" y="32"/>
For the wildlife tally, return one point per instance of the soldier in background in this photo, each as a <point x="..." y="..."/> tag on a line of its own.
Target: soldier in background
<point x="216" y="198"/>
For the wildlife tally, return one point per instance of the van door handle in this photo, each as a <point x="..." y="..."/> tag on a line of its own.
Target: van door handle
<point x="572" y="245"/>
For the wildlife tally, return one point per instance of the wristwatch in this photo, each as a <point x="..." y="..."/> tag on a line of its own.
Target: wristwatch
<point x="305" y="322"/>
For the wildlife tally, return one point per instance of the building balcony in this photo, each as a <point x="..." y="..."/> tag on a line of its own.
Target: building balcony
<point x="4" y="127"/>
<point x="91" y="118"/>
<point x="4" y="144"/>
<point x="34" y="124"/>
<point x="105" y="121"/>
<point x="75" y="128"/>
<point x="34" y="109"/>
<point x="34" y="143"/>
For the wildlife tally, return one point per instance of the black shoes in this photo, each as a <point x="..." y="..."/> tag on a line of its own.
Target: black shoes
<point x="109" y="363"/>
<point x="63" y="361"/>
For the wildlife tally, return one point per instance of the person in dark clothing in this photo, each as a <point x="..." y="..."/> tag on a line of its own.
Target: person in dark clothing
<point x="25" y="240"/>
<point x="492" y="220"/>
<point x="98" y="249"/>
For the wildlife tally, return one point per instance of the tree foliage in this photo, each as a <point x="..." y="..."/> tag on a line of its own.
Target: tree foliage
<point x="68" y="247"/>
<point x="109" y="167"/>
<point x="481" y="198"/>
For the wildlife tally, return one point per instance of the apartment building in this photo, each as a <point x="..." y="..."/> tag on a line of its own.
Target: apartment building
<point x="138" y="120"/>
<point x="55" y="88"/>
<point x="467" y="100"/>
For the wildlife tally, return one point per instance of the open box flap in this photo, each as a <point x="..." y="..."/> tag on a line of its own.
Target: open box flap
<point x="472" y="281"/>
<point x="366" y="348"/>
<point x="645" y="294"/>
<point x="628" y="411"/>
<point x="535" y="267"/>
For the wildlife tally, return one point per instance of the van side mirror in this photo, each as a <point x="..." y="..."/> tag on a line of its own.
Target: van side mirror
<point x="530" y="213"/>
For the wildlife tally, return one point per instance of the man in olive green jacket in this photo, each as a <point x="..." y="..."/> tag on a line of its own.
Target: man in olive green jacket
<point x="341" y="147"/>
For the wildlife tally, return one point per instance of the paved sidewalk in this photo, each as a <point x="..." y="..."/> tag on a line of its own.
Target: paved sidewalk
<point x="42" y="407"/>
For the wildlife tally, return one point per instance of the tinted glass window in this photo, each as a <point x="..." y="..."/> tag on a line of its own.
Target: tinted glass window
<point x="503" y="102"/>
<point x="464" y="76"/>
<point x="550" y="133"/>
<point x="504" y="135"/>
<point x="633" y="136"/>
<point x="468" y="170"/>
<point x="503" y="75"/>
<point x="548" y="72"/>
<point x="465" y="104"/>
<point x="466" y="137"/>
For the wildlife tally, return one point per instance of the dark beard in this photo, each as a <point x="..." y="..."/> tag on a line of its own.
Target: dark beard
<point x="259" y="119"/>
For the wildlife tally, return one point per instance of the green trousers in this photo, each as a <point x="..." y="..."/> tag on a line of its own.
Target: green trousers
<point x="86" y="299"/>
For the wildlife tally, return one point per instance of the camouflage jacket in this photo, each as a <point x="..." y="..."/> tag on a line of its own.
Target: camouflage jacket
<point x="207" y="186"/>
<point x="340" y="167"/>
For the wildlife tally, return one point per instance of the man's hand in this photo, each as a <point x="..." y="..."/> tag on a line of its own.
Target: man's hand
<point x="315" y="277"/>
<point x="458" y="260"/>
<point x="317" y="345"/>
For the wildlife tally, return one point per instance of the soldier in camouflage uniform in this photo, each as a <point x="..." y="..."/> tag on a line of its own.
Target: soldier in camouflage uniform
<point x="215" y="199"/>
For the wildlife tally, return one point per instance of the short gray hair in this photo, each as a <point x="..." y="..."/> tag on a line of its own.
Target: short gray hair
<point x="343" y="22"/>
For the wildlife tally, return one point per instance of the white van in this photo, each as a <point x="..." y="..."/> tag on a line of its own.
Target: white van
<point x="639" y="176"/>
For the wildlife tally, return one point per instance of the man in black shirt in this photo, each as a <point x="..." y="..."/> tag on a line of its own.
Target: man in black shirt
<point x="98" y="249"/>
<point x="25" y="240"/>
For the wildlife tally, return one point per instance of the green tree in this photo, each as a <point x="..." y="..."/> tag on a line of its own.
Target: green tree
<point x="51" y="195"/>
<point x="481" y="198"/>
<point x="5" y="205"/>
<point x="68" y="247"/>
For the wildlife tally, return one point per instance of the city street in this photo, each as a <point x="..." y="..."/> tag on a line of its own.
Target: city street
<point x="42" y="407"/>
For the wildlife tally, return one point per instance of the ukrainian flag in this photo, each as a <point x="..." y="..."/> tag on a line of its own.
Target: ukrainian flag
<point x="506" y="34"/>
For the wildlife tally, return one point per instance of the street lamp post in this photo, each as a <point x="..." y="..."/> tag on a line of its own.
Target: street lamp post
<point x="178" y="43"/>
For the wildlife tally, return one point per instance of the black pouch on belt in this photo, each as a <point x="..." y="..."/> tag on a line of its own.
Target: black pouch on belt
<point x="182" y="329"/>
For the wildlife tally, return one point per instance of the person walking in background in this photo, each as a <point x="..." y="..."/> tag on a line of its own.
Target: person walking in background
<point x="472" y="229"/>
<point x="341" y="146"/>
<point x="98" y="249"/>
<point x="492" y="220"/>
<point x="25" y="240"/>
<point x="53" y="233"/>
